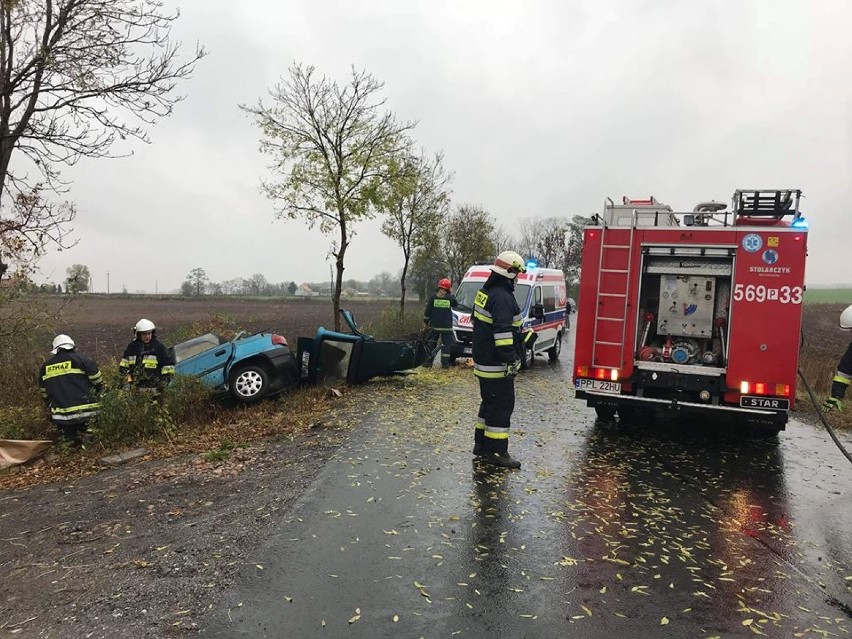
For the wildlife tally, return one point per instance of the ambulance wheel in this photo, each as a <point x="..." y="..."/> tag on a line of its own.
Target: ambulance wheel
<point x="553" y="351"/>
<point x="605" y="412"/>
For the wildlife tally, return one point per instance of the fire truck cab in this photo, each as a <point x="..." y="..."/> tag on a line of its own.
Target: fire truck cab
<point x="694" y="312"/>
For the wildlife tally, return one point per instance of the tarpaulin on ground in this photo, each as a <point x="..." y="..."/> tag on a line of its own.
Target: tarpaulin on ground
<point x="18" y="451"/>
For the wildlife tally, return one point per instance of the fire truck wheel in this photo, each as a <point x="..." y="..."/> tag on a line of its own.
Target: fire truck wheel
<point x="605" y="412"/>
<point x="553" y="351"/>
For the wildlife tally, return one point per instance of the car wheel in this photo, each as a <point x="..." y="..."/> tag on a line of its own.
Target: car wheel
<point x="249" y="383"/>
<point x="553" y="351"/>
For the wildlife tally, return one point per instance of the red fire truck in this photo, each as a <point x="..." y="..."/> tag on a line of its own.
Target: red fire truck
<point x="694" y="312"/>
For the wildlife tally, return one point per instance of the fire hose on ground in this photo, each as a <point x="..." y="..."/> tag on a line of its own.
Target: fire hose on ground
<point x="822" y="417"/>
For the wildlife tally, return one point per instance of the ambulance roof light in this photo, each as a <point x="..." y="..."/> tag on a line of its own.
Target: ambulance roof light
<point x="800" y="223"/>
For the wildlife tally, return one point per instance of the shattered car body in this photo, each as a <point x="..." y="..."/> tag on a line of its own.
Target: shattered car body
<point x="332" y="356"/>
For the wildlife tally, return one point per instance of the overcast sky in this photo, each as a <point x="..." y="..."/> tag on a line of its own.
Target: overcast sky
<point x="541" y="109"/>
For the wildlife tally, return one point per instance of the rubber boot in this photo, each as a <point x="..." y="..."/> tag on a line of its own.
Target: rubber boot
<point x="501" y="460"/>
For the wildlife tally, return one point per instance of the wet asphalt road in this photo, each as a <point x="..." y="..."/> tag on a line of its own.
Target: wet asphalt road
<point x="666" y="530"/>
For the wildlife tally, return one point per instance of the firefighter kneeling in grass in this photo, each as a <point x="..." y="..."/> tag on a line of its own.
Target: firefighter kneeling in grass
<point x="70" y="384"/>
<point x="496" y="323"/>
<point x="843" y="376"/>
<point x="438" y="316"/>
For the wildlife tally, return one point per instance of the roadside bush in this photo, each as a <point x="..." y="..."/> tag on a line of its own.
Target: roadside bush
<point x="22" y="415"/>
<point x="390" y="325"/>
<point x="219" y="324"/>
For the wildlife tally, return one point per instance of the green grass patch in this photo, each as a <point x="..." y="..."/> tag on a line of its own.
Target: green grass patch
<point x="828" y="296"/>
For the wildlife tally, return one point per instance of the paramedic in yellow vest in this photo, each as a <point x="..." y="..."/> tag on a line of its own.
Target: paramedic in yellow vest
<point x="70" y="384"/>
<point x="497" y="321"/>
<point x="438" y="316"/>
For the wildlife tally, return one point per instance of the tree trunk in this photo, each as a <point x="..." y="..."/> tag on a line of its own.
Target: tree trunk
<point x="402" y="289"/>
<point x="338" y="278"/>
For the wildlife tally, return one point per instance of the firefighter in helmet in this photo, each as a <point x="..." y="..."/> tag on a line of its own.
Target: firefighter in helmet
<point x="496" y="324"/>
<point x="146" y="362"/>
<point x="70" y="384"/>
<point x="438" y="316"/>
<point x="843" y="376"/>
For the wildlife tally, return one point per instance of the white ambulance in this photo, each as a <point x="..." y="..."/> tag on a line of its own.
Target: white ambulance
<point x="542" y="297"/>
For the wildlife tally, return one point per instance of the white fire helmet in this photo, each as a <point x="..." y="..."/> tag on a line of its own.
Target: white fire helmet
<point x="143" y="326"/>
<point x="63" y="342"/>
<point x="846" y="319"/>
<point x="509" y="264"/>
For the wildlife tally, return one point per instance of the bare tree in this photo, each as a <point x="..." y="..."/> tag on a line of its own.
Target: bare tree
<point x="332" y="147"/>
<point x="428" y="265"/>
<point x="530" y="231"/>
<point x="75" y="76"/>
<point x="469" y="239"/>
<point x="503" y="240"/>
<point x="415" y="198"/>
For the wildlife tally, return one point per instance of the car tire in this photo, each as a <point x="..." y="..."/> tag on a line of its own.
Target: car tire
<point x="553" y="351"/>
<point x="249" y="383"/>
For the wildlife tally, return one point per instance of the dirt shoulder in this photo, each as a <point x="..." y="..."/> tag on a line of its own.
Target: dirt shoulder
<point x="141" y="550"/>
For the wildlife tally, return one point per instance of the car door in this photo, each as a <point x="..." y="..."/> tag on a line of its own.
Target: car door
<point x="546" y="296"/>
<point x="210" y="366"/>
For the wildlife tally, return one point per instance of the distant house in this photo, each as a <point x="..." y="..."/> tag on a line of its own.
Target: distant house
<point x="305" y="291"/>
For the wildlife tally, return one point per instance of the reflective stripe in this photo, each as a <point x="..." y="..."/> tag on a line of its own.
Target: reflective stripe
<point x="68" y="418"/>
<point x="480" y="425"/>
<point x="528" y="336"/>
<point x="496" y="433"/>
<point x="150" y="361"/>
<point x="517" y="319"/>
<point x="125" y="363"/>
<point x="504" y="342"/>
<point x="842" y="378"/>
<point x="482" y="318"/>
<point x="71" y="409"/>
<point x="168" y="370"/>
<point x="441" y="303"/>
<point x="57" y="370"/>
<point x="96" y="378"/>
<point x="504" y="335"/>
<point x="489" y="375"/>
<point x="481" y="309"/>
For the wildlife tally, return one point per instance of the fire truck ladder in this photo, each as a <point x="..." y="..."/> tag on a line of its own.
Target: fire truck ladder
<point x="613" y="283"/>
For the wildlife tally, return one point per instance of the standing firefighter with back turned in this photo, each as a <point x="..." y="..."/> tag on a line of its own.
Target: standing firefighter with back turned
<point x="438" y="316"/>
<point x="496" y="322"/>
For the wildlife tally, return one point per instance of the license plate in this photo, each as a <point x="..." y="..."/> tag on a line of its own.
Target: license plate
<point x="600" y="385"/>
<point x="772" y="403"/>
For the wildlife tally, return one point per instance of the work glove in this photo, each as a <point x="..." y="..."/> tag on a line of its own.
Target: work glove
<point x="512" y="369"/>
<point x="830" y="403"/>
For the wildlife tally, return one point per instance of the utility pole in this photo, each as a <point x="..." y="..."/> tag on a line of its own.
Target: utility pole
<point x="107" y="282"/>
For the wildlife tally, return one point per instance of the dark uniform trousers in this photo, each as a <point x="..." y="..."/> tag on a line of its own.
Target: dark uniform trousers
<point x="495" y="413"/>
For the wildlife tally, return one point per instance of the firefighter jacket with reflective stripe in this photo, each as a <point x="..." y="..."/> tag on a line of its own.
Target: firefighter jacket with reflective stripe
<point x="496" y="322"/>
<point x="150" y="365"/>
<point x="438" y="313"/>
<point x="70" y="382"/>
<point x="843" y="376"/>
